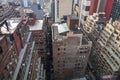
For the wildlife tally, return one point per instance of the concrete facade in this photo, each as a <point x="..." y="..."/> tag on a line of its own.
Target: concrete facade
<point x="93" y="20"/>
<point x="70" y="55"/>
<point x="61" y="8"/>
<point x="84" y="10"/>
<point x="106" y="54"/>
<point x="72" y="22"/>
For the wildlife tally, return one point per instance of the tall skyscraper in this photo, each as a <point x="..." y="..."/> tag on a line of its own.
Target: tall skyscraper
<point x="101" y="6"/>
<point x="115" y="14"/>
<point x="70" y="53"/>
<point x="84" y="10"/>
<point x="61" y="8"/>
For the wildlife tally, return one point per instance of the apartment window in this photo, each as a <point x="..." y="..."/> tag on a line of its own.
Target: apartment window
<point x="87" y="8"/>
<point x="85" y="17"/>
<point x="11" y="38"/>
<point x="64" y="49"/>
<point x="57" y="8"/>
<point x="58" y="53"/>
<point x="1" y="50"/>
<point x="58" y="49"/>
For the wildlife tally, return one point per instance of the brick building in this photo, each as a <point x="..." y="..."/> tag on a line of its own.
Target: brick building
<point x="19" y="58"/>
<point x="72" y="22"/>
<point x="12" y="40"/>
<point x="39" y="38"/>
<point x="70" y="53"/>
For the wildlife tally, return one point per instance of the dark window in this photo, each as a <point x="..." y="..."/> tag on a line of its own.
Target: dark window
<point x="11" y="38"/>
<point x="85" y="18"/>
<point x="58" y="49"/>
<point x="1" y="51"/>
<point x="39" y="7"/>
<point x="87" y="8"/>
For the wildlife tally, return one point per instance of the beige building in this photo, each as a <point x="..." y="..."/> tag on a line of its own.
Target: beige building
<point x="70" y="53"/>
<point x="62" y="7"/>
<point x="84" y="6"/>
<point x="106" y="58"/>
<point x="92" y="21"/>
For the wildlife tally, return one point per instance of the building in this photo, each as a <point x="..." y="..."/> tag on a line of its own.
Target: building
<point x="19" y="59"/>
<point x="80" y="79"/>
<point x="115" y="15"/>
<point x="8" y="58"/>
<point x="72" y="21"/>
<point x="6" y="11"/>
<point x="93" y="27"/>
<point x="101" y="6"/>
<point x="70" y="53"/>
<point x="84" y="6"/>
<point x="12" y="41"/>
<point x="93" y="20"/>
<point x="53" y="10"/>
<point x="40" y="42"/>
<point x="60" y="8"/>
<point x="108" y="8"/>
<point x="105" y="58"/>
<point x="31" y="15"/>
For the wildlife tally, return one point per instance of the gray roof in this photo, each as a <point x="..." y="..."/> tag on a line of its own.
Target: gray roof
<point x="38" y="12"/>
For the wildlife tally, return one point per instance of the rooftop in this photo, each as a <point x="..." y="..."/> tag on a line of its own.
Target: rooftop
<point x="12" y="24"/>
<point x="28" y="11"/>
<point x="62" y="27"/>
<point x="38" y="25"/>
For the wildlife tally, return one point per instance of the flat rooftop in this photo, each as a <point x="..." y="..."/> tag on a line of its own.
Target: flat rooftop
<point x="62" y="27"/>
<point x="38" y="25"/>
<point x="12" y="24"/>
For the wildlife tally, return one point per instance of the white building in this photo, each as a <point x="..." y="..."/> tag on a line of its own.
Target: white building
<point x="62" y="7"/>
<point x="84" y="10"/>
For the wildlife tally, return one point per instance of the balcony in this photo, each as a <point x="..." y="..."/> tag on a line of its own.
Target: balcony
<point x="116" y="58"/>
<point x="109" y="62"/>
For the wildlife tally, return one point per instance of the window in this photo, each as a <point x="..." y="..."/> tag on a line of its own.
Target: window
<point x="58" y="49"/>
<point x="87" y="8"/>
<point x="58" y="53"/>
<point x="57" y="8"/>
<point x="11" y="38"/>
<point x="1" y="50"/>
